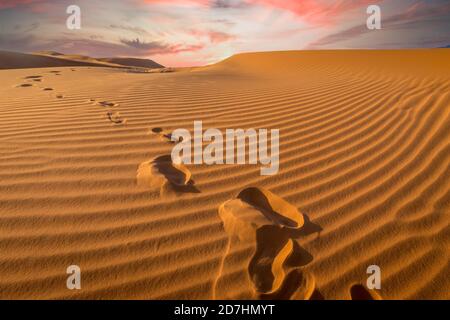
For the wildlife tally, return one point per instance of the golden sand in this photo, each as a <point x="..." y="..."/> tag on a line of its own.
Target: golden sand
<point x="364" y="179"/>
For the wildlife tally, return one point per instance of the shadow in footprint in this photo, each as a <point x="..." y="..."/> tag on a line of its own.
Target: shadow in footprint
<point x="262" y="251"/>
<point x="299" y="257"/>
<point x="33" y="77"/>
<point x="273" y="248"/>
<point x="297" y="285"/>
<point x="107" y="104"/>
<point x="359" y="292"/>
<point x="163" y="135"/>
<point x="168" y="176"/>
<point x="47" y="89"/>
<point x="308" y="228"/>
<point x="317" y="295"/>
<point x="157" y="130"/>
<point x="115" y="118"/>
<point x="273" y="207"/>
<point x="24" y="85"/>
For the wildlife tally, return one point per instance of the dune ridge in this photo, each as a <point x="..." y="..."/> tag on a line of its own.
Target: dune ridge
<point x="47" y="59"/>
<point x="364" y="158"/>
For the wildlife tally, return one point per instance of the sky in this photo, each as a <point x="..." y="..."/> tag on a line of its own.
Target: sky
<point x="199" y="32"/>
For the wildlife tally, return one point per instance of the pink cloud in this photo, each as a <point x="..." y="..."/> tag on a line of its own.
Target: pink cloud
<point x="178" y="2"/>
<point x="6" y="4"/>
<point x="213" y="36"/>
<point x="317" y="12"/>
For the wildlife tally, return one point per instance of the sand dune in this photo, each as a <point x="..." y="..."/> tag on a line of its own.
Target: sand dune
<point x="48" y="59"/>
<point x="364" y="179"/>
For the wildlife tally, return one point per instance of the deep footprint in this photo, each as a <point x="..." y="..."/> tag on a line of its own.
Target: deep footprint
<point x="107" y="104"/>
<point x="164" y="135"/>
<point x="115" y="118"/>
<point x="162" y="173"/>
<point x="259" y="225"/>
<point x="33" y="77"/>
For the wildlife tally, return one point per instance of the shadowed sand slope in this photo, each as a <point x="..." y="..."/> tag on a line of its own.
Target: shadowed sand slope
<point x="15" y="60"/>
<point x="133" y="62"/>
<point x="48" y="59"/>
<point x="85" y="179"/>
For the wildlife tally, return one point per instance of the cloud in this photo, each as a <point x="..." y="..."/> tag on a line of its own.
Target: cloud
<point x="136" y="30"/>
<point x="228" y="4"/>
<point x="31" y="5"/>
<point x="317" y="12"/>
<point x="213" y="36"/>
<point x="204" y="3"/>
<point x="154" y="47"/>
<point x="7" y="4"/>
<point x="136" y="43"/>
<point x="418" y="12"/>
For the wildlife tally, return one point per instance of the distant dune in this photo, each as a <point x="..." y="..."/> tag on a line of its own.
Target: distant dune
<point x="364" y="179"/>
<point x="133" y="62"/>
<point x="14" y="60"/>
<point x="46" y="59"/>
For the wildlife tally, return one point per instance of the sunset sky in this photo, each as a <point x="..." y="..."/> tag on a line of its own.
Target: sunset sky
<point x="198" y="32"/>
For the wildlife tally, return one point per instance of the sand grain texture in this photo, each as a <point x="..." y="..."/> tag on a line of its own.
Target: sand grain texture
<point x="364" y="158"/>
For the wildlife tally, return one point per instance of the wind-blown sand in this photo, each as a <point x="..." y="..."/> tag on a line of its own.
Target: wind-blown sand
<point x="364" y="179"/>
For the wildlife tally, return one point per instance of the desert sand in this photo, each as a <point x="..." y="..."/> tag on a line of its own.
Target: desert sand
<point x="87" y="179"/>
<point x="16" y="60"/>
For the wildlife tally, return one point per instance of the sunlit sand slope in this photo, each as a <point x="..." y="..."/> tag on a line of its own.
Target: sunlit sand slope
<point x="86" y="179"/>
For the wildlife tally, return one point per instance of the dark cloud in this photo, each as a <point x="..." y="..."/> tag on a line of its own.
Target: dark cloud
<point x="91" y="47"/>
<point x="227" y="4"/>
<point x="136" y="30"/>
<point x="146" y="46"/>
<point x="154" y="47"/>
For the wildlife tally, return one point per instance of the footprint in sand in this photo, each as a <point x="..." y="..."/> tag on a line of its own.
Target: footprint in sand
<point x="56" y="72"/>
<point x="47" y="89"/>
<point x="163" y="135"/>
<point x="359" y="292"/>
<point x="24" y="85"/>
<point x="261" y="254"/>
<point x="105" y="104"/>
<point x="162" y="173"/>
<point x="32" y="77"/>
<point x="59" y="96"/>
<point x="115" y="118"/>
